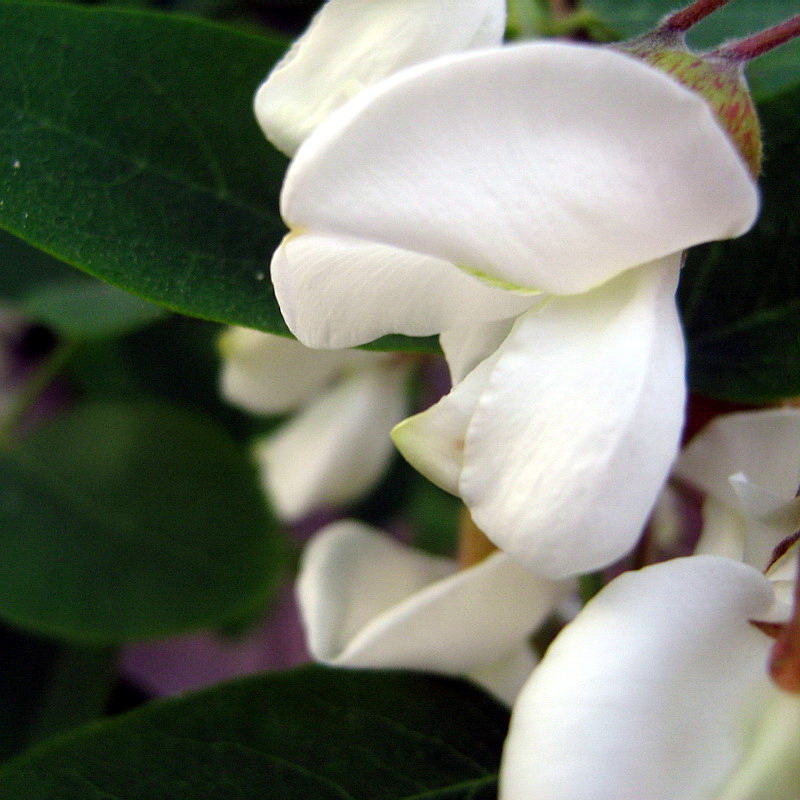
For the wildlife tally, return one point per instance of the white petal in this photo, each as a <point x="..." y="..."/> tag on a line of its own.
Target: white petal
<point x="761" y="444"/>
<point x="548" y="166"/>
<point x="724" y="531"/>
<point x="337" y="448"/>
<point x="648" y="693"/>
<point x="352" y="44"/>
<point x="368" y="601"/>
<point x="758" y="503"/>
<point x="668" y="525"/>
<point x="507" y="675"/>
<point x="268" y="374"/>
<point x="771" y="768"/>
<point x="465" y="348"/>
<point x="433" y="441"/>
<point x="770" y="518"/>
<point x="783" y="577"/>
<point x="575" y="430"/>
<point x="339" y="292"/>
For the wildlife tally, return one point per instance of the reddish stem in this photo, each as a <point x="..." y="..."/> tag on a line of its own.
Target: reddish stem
<point x="688" y="17"/>
<point x="784" y="662"/>
<point x="760" y="43"/>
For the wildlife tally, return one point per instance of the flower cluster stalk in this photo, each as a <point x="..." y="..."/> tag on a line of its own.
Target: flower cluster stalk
<point x="760" y="43"/>
<point x="784" y="664"/>
<point x="681" y="21"/>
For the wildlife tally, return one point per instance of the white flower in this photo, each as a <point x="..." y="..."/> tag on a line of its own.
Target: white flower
<point x="336" y="446"/>
<point x="352" y="44"/>
<point x="659" y="688"/>
<point x="748" y="466"/>
<point x="368" y="601"/>
<point x="532" y="203"/>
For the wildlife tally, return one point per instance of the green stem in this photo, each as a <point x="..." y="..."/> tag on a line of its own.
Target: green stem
<point x="30" y="392"/>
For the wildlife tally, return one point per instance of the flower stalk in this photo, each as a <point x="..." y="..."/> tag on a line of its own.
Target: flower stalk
<point x="681" y="21"/>
<point x="784" y="662"/>
<point x="760" y="43"/>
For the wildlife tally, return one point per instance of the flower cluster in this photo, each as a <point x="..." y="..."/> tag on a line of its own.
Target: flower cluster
<point x="532" y="205"/>
<point x="520" y="204"/>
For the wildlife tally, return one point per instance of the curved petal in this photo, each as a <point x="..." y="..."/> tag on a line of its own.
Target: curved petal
<point x="649" y="693"/>
<point x="761" y="444"/>
<point x="505" y="676"/>
<point x="338" y="292"/>
<point x="576" y="428"/>
<point x="268" y="374"/>
<point x="783" y="577"/>
<point x="464" y="348"/>
<point x="770" y="518"/>
<point x="548" y="166"/>
<point x="669" y="526"/>
<point x="433" y="441"/>
<point x="368" y="601"/>
<point x="337" y="448"/>
<point x="771" y="767"/>
<point x="724" y="531"/>
<point x="352" y="44"/>
<point x="349" y="574"/>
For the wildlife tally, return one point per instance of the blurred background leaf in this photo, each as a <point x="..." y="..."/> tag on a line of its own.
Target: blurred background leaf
<point x="48" y="687"/>
<point x="312" y="733"/>
<point x="124" y="521"/>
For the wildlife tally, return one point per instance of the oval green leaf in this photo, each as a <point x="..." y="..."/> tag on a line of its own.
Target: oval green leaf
<point x="123" y="521"/>
<point x="310" y="734"/>
<point x="130" y="151"/>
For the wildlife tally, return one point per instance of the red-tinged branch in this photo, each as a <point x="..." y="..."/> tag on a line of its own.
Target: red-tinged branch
<point x="688" y="17"/>
<point x="756" y="45"/>
<point x="784" y="660"/>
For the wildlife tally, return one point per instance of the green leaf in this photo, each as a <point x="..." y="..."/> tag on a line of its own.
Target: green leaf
<point x="78" y="688"/>
<point x="435" y="516"/>
<point x="740" y="299"/>
<point x="310" y="734"/>
<point x="127" y="521"/>
<point x="23" y="268"/>
<point x="47" y="688"/>
<point x="768" y="74"/>
<point x="174" y="360"/>
<point x="130" y="150"/>
<point x="85" y="309"/>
